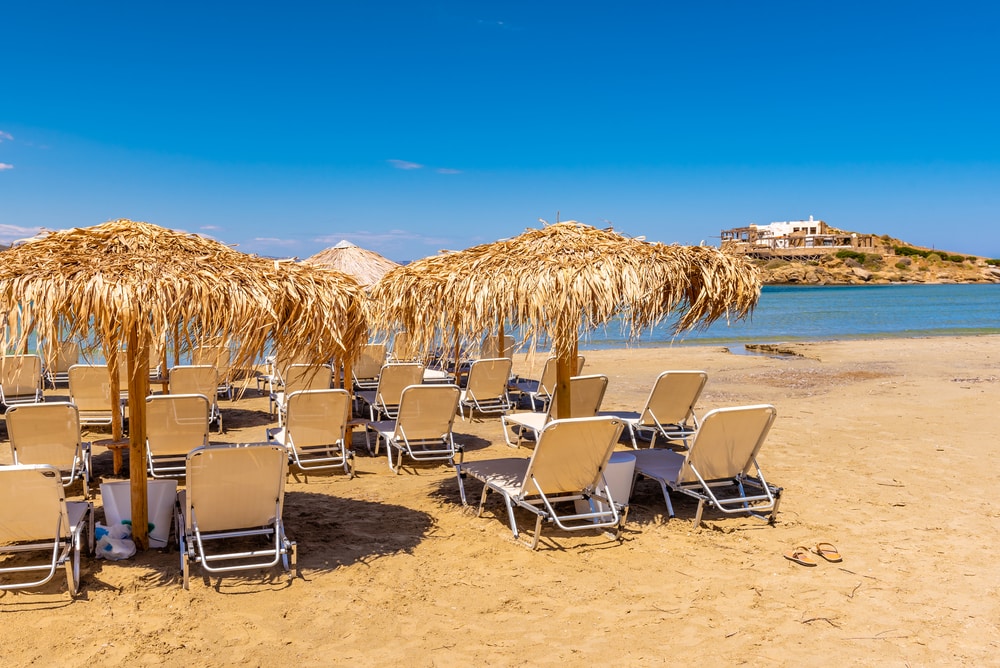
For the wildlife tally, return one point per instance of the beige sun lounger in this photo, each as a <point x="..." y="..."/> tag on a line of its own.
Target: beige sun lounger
<point x="221" y="357"/>
<point x="567" y="465"/>
<point x="717" y="468"/>
<point x="67" y="354"/>
<point x="20" y="380"/>
<point x="50" y="434"/>
<point x="586" y="395"/>
<point x="90" y="391"/>
<point x="383" y="401"/>
<point x="199" y="379"/>
<point x="315" y="430"/>
<point x="403" y="349"/>
<point x="176" y="424"/>
<point x="486" y="388"/>
<point x="539" y="392"/>
<point x="422" y="427"/>
<point x="366" y="369"/>
<point x="669" y="409"/>
<point x="234" y="492"/>
<point x="35" y="517"/>
<point x="299" y="377"/>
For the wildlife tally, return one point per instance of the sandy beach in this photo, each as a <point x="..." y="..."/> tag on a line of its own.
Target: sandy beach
<point x="882" y="448"/>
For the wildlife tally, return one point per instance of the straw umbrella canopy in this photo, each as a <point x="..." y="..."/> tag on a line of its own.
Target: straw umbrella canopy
<point x="563" y="280"/>
<point x="364" y="265"/>
<point x="140" y="286"/>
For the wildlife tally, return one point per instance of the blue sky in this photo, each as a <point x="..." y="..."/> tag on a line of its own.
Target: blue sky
<point x="408" y="127"/>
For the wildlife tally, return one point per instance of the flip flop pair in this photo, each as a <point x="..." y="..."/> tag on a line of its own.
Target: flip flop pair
<point x="804" y="556"/>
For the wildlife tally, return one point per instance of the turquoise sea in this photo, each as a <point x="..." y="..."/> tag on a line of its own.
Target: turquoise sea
<point x="815" y="313"/>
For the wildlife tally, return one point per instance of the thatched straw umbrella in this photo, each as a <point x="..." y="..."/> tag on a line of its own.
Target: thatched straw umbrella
<point x="364" y="265"/>
<point x="140" y="286"/>
<point x="562" y="280"/>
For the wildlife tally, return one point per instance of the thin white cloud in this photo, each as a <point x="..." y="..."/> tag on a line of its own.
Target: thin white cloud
<point x="209" y="227"/>
<point x="12" y="233"/>
<point x="274" y="241"/>
<point x="405" y="164"/>
<point x="5" y="136"/>
<point x="448" y="170"/>
<point x="4" y="165"/>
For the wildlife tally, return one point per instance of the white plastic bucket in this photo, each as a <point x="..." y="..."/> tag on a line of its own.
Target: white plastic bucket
<point x="160" y="495"/>
<point x="618" y="474"/>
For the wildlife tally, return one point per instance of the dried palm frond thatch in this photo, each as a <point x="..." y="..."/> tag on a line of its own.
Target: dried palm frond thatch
<point x="133" y="284"/>
<point x="366" y="266"/>
<point x="561" y="280"/>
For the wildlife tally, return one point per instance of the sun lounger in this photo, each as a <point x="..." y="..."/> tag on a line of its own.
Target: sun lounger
<point x="221" y="357"/>
<point x="669" y="409"/>
<point x="35" y="517"/>
<point x="567" y="465"/>
<point x="20" y="380"/>
<point x="234" y="493"/>
<point x="199" y="379"/>
<point x="383" y="401"/>
<point x="315" y="430"/>
<point x="366" y="369"/>
<point x="586" y="395"/>
<point x="67" y="354"/>
<point x="50" y="434"/>
<point x="176" y="424"/>
<point x="299" y="377"/>
<point x="717" y="469"/>
<point x="90" y="391"/>
<point x="486" y="389"/>
<point x="422" y="426"/>
<point x="539" y="392"/>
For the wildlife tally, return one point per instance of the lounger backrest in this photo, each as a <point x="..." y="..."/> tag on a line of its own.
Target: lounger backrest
<point x="727" y="442"/>
<point x="67" y="354"/>
<point x="488" y="378"/>
<point x="427" y="411"/>
<point x="221" y="357"/>
<point x="299" y="377"/>
<point x="571" y="455"/>
<point x="586" y="396"/>
<point x="45" y="434"/>
<point x="395" y="378"/>
<point x="90" y="387"/>
<point x="235" y="486"/>
<point x="370" y="361"/>
<point x="673" y="397"/>
<point x="317" y="417"/>
<point x="176" y="424"/>
<point x="547" y="382"/>
<point x="489" y="348"/>
<point x="32" y="500"/>
<point x="402" y="347"/>
<point x="194" y="379"/>
<point x="20" y="374"/>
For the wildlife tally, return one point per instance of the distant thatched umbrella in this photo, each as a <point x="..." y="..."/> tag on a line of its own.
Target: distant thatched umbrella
<point x="139" y="285"/>
<point x="563" y="279"/>
<point x="364" y="265"/>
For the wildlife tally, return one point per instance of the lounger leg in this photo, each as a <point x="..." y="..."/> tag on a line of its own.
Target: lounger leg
<point x="666" y="497"/>
<point x="631" y="432"/>
<point x="697" y="516"/>
<point x="538" y="531"/>
<point x="506" y="434"/>
<point x="461" y="484"/>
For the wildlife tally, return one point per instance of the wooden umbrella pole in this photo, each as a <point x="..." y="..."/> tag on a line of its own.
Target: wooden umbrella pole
<point x="565" y="369"/>
<point x="117" y="429"/>
<point x="500" y="339"/>
<point x="138" y="387"/>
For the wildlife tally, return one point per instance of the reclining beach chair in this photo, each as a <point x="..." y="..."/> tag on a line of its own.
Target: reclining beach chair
<point x="539" y="392"/>
<point x="199" y="379"/>
<point x="383" y="401"/>
<point x="669" y="409"/>
<point x="35" y="517"/>
<point x="299" y="377"/>
<point x="486" y="389"/>
<point x="422" y="427"/>
<point x="586" y="395"/>
<point x="221" y="357"/>
<point x="276" y="364"/>
<point x="234" y="493"/>
<point x="403" y="349"/>
<point x="20" y="380"/>
<point x="90" y="392"/>
<point x="366" y="369"/>
<point x="176" y="424"/>
<point x="50" y="434"/>
<point x="488" y="349"/>
<point x="67" y="354"/>
<point x="315" y="430"/>
<point x="717" y="468"/>
<point x="567" y="465"/>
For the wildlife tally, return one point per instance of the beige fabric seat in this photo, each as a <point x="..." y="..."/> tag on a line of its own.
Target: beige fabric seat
<point x="221" y="357"/>
<point x="669" y="409"/>
<point x="586" y="396"/>
<point x="57" y="370"/>
<point x="176" y="424"/>
<point x="20" y="380"/>
<point x="299" y="377"/>
<point x="383" y="401"/>
<point x="200" y="379"/>
<point x="486" y="388"/>
<point x="315" y="430"/>
<point x="35" y="517"/>
<point x="422" y="428"/>
<point x="90" y="392"/>
<point x="539" y="392"/>
<point x="720" y="466"/>
<point x="50" y="434"/>
<point x="365" y="371"/>
<point x="567" y="465"/>
<point x="234" y="493"/>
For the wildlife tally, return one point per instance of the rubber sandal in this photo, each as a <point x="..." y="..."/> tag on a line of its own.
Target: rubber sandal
<point x="800" y="555"/>
<point x="828" y="551"/>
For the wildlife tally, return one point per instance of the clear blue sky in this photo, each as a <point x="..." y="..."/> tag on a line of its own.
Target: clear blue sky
<point x="408" y="127"/>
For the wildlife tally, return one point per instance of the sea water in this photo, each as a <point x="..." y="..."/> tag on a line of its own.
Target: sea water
<point x="816" y="313"/>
